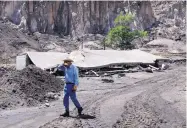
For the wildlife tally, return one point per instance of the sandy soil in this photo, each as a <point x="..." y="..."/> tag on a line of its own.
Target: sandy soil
<point x="134" y="101"/>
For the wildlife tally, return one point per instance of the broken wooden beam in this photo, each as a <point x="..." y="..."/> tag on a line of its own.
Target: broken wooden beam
<point x="95" y="73"/>
<point x="117" y="71"/>
<point x="153" y="67"/>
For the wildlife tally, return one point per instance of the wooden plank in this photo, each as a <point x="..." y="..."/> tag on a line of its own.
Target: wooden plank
<point x="95" y="73"/>
<point x="153" y="67"/>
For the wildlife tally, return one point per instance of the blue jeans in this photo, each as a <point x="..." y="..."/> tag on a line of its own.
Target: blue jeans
<point x="68" y="92"/>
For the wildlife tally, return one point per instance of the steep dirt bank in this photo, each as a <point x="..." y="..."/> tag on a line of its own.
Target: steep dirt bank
<point x="14" y="42"/>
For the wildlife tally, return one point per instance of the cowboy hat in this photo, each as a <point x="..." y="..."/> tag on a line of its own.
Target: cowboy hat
<point x="68" y="60"/>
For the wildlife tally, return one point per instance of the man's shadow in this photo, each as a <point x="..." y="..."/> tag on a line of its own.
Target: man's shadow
<point x="83" y="116"/>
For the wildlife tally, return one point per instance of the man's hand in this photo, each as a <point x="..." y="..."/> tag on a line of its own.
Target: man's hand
<point x="74" y="88"/>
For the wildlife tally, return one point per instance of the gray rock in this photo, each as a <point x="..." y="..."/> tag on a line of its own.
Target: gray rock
<point x="47" y="104"/>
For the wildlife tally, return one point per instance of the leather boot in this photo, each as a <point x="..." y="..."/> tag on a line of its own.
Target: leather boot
<point x="66" y="114"/>
<point x="80" y="111"/>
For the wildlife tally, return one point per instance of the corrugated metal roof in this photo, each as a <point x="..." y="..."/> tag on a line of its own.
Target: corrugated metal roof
<point x="46" y="59"/>
<point x="92" y="58"/>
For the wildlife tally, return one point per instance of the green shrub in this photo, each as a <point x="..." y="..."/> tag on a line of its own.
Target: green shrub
<point x="121" y="35"/>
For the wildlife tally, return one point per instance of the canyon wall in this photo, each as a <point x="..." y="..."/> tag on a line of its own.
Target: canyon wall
<point x="76" y="18"/>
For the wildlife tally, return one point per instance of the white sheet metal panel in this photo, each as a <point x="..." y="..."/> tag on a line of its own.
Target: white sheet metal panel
<point x="92" y="58"/>
<point x="21" y="62"/>
<point x="100" y="58"/>
<point x="47" y="59"/>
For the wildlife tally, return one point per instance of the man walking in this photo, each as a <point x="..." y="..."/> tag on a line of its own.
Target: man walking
<point x="71" y="80"/>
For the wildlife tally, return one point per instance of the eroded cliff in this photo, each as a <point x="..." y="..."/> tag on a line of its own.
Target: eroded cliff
<point x="76" y="18"/>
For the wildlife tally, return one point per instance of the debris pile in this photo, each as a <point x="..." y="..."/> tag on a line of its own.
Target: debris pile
<point x="103" y="73"/>
<point x="121" y="70"/>
<point x="29" y="86"/>
<point x="4" y="70"/>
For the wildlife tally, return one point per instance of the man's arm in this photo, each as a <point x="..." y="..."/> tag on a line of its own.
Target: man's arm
<point x="61" y="68"/>
<point x="76" y="76"/>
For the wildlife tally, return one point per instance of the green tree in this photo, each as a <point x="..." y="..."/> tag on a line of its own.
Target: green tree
<point x="121" y="35"/>
<point x="124" y="19"/>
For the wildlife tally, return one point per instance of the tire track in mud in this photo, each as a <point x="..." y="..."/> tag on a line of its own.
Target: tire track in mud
<point x="150" y="110"/>
<point x="140" y="112"/>
<point x="91" y="107"/>
<point x="145" y="110"/>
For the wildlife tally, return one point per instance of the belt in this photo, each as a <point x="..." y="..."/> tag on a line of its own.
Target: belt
<point x="69" y="83"/>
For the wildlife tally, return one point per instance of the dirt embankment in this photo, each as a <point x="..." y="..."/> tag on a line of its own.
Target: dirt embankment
<point x="27" y="87"/>
<point x="14" y="42"/>
<point x="166" y="48"/>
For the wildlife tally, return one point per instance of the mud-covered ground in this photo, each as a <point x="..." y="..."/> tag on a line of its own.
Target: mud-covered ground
<point x="137" y="100"/>
<point x="150" y="101"/>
